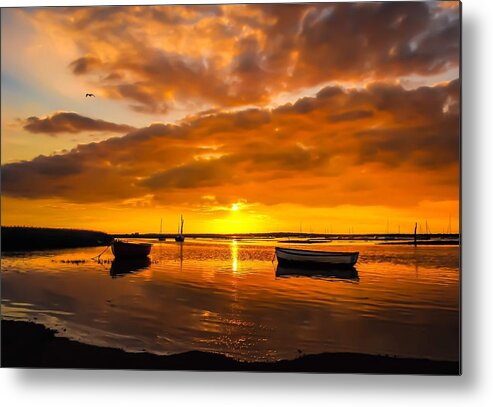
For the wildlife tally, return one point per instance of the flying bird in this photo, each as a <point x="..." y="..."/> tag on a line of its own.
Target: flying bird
<point x="90" y="95"/>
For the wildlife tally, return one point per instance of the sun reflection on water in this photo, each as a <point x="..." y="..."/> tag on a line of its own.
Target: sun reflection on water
<point x="234" y="256"/>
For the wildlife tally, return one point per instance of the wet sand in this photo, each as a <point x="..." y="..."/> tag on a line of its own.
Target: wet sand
<point x="30" y="345"/>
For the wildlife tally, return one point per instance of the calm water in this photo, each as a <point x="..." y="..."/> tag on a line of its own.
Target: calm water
<point x="228" y="297"/>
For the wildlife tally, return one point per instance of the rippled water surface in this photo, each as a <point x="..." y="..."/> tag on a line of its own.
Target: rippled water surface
<point x="229" y="297"/>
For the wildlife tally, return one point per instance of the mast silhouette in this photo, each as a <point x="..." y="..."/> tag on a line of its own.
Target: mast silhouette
<point x="180" y="237"/>
<point x="161" y="237"/>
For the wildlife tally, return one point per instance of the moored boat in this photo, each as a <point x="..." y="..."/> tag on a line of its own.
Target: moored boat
<point x="130" y="250"/>
<point x="313" y="258"/>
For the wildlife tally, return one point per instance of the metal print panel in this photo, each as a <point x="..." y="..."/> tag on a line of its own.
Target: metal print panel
<point x="261" y="187"/>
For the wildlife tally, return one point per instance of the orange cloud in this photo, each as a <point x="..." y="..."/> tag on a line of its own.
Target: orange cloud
<point x="382" y="145"/>
<point x="159" y="58"/>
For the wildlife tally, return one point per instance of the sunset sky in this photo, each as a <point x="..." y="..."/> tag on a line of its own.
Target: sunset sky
<point x="333" y="117"/>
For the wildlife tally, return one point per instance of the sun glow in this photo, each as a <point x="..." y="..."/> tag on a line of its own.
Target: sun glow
<point x="235" y="207"/>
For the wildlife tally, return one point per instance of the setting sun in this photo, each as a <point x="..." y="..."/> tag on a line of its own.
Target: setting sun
<point x="235" y="207"/>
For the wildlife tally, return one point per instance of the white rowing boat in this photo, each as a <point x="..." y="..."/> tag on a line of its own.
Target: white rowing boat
<point x="312" y="258"/>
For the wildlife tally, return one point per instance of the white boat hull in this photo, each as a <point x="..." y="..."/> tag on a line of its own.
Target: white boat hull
<point x="311" y="258"/>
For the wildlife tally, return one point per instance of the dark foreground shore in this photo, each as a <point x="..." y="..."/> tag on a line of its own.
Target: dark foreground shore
<point x="26" y="344"/>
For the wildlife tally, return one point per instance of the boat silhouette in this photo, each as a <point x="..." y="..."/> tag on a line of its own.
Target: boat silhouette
<point x="315" y="258"/>
<point x="130" y="250"/>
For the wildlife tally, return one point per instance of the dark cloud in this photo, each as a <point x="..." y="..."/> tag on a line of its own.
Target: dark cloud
<point x="377" y="39"/>
<point x="69" y="122"/>
<point x="136" y="93"/>
<point x="329" y="91"/>
<point x="427" y="147"/>
<point x="351" y="115"/>
<point x="27" y="179"/>
<point x="252" y="118"/>
<point x="205" y="173"/>
<point x="84" y="65"/>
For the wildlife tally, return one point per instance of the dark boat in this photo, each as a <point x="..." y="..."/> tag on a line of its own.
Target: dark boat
<point x="122" y="266"/>
<point x="313" y="258"/>
<point x="180" y="237"/>
<point x="130" y="250"/>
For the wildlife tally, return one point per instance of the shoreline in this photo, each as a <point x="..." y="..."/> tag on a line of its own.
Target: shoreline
<point x="28" y="239"/>
<point x="31" y="345"/>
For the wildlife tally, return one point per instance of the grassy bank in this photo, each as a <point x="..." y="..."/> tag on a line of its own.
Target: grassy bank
<point x="26" y="344"/>
<point x="18" y="238"/>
